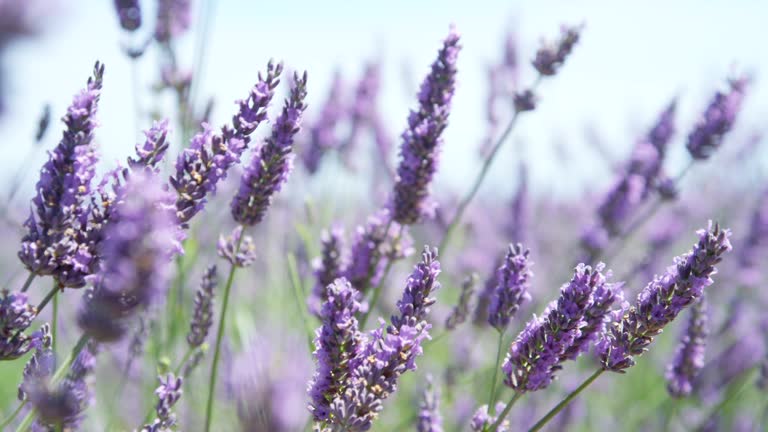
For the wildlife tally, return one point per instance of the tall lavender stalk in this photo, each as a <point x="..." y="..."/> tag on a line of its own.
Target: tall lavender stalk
<point x="689" y="356"/>
<point x="57" y="241"/>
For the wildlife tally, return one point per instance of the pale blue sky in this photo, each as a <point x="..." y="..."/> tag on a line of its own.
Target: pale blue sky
<point x="631" y="60"/>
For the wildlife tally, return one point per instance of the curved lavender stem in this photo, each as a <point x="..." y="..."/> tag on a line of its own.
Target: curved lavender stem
<point x="563" y="403"/>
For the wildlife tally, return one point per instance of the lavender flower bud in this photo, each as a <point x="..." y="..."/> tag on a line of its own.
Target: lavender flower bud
<point x="336" y="343"/>
<point x="717" y="120"/>
<point x="40" y="366"/>
<point x="200" y="167"/>
<point x="415" y="302"/>
<point x="689" y="357"/>
<point x="173" y="19"/>
<point x="373" y="379"/>
<point x="524" y="101"/>
<point x="422" y="140"/>
<point x="482" y="418"/>
<point x="664" y="129"/>
<point x="129" y="13"/>
<point x="430" y="419"/>
<point x="137" y="248"/>
<point x="237" y="248"/>
<point x="56" y="240"/>
<point x="550" y="57"/>
<point x="536" y="354"/>
<point x="168" y="393"/>
<point x="512" y="288"/>
<point x="604" y="296"/>
<point x="202" y="317"/>
<point x="272" y="162"/>
<point x="151" y="152"/>
<point x="621" y="201"/>
<point x="16" y="315"/>
<point x="460" y="312"/>
<point x="328" y="267"/>
<point x="634" y="328"/>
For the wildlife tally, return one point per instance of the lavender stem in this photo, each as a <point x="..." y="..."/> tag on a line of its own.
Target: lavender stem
<point x="496" y="369"/>
<point x="563" y="403"/>
<point x="28" y="282"/>
<point x="483" y="172"/>
<point x="220" y="337"/>
<point x="55" y="319"/>
<point x="13" y="415"/>
<point x="504" y="413"/>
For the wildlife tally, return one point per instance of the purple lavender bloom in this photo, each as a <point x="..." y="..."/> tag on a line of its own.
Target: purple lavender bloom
<point x="460" y="312"/>
<point x="202" y="318"/>
<point x="168" y="393"/>
<point x="129" y="13"/>
<point x="422" y="139"/>
<point x="621" y="201"/>
<point x="173" y="19"/>
<point x="336" y="343"/>
<point x="16" y="315"/>
<point x="536" y="354"/>
<point x="273" y="161"/>
<point x="373" y="379"/>
<point x="40" y="366"/>
<point x="430" y="419"/>
<point x="689" y="356"/>
<point x="551" y="57"/>
<point x="328" y="267"/>
<point x="152" y="151"/>
<point x="483" y="418"/>
<point x="664" y="129"/>
<point x="65" y="403"/>
<point x="372" y="246"/>
<point x="200" y="167"/>
<point x="322" y="134"/>
<point x="512" y="288"/>
<point x="717" y="120"/>
<point x="415" y="302"/>
<point x="634" y="328"/>
<point x="604" y="296"/>
<point x="138" y="245"/>
<point x="56" y="241"/>
<point x="237" y="248"/>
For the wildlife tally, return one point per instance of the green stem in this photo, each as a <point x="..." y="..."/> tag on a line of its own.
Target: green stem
<point x="504" y="413"/>
<point x="496" y="370"/>
<point x="376" y="292"/>
<point x="28" y="282"/>
<point x="54" y="320"/>
<point x="13" y="415"/>
<point x="219" y="338"/>
<point x="563" y="403"/>
<point x="298" y="291"/>
<point x="456" y="219"/>
<point x="734" y="391"/>
<point x="57" y="376"/>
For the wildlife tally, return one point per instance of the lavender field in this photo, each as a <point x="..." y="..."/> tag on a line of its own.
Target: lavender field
<point x="231" y="216"/>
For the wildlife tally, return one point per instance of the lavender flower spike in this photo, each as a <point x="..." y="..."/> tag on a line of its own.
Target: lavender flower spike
<point x="689" y="357"/>
<point x="460" y="312"/>
<point x="415" y="302"/>
<point x="536" y="354"/>
<point x="482" y="418"/>
<point x="200" y="167"/>
<point x="512" y="287"/>
<point x="151" y="152"/>
<point x="173" y="19"/>
<point x="272" y="162"/>
<point x="56" y="242"/>
<point x="336" y="343"/>
<point x="202" y="319"/>
<point x="138" y="246"/>
<point x="129" y="13"/>
<point x="717" y="120"/>
<point x="327" y="268"/>
<point x="237" y="248"/>
<point x="16" y="315"/>
<point x="550" y="58"/>
<point x="634" y="328"/>
<point x="422" y="139"/>
<point x="168" y="393"/>
<point x="430" y="419"/>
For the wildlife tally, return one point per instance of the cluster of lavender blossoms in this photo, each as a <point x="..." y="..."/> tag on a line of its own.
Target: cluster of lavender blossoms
<point x="717" y="120"/>
<point x="59" y="241"/>
<point x="209" y="157"/>
<point x="168" y="393"/>
<point x="634" y="327"/>
<point x="368" y="364"/>
<point x="202" y="318"/>
<point x="511" y="289"/>
<point x="272" y="161"/>
<point x="422" y="140"/>
<point x="537" y="353"/>
<point x="16" y="315"/>
<point x="689" y="357"/>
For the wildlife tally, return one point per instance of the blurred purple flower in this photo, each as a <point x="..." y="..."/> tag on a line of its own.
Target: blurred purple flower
<point x="482" y="418"/>
<point x="129" y="13"/>
<point x="322" y="134"/>
<point x="689" y="356"/>
<point x="460" y="312"/>
<point x="551" y="56"/>
<point x="202" y="317"/>
<point x="717" y="120"/>
<point x="430" y="419"/>
<point x="512" y="287"/>
<point x="328" y="267"/>
<point x="16" y="315"/>
<point x="173" y="19"/>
